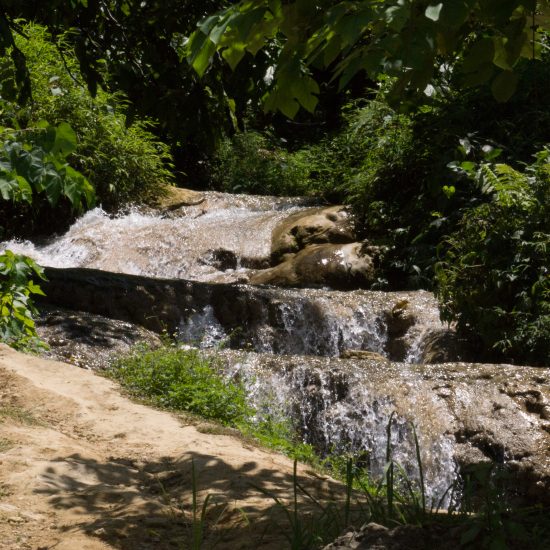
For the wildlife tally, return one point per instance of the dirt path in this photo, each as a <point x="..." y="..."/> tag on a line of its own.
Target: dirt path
<point x="82" y="467"/>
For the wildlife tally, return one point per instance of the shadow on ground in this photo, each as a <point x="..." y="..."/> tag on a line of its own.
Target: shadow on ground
<point x="148" y="504"/>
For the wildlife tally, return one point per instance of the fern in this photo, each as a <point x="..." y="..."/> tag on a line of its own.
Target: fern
<point x="507" y="186"/>
<point x="494" y="280"/>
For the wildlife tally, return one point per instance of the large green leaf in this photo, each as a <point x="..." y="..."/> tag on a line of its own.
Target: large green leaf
<point x="504" y="85"/>
<point x="432" y="12"/>
<point x="65" y="140"/>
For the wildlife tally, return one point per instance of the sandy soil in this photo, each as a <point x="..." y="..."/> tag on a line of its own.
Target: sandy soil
<point x="83" y="467"/>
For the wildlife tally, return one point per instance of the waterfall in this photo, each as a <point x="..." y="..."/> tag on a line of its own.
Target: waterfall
<point x="197" y="259"/>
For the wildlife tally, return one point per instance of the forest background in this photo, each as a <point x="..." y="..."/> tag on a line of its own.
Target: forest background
<point x="429" y="119"/>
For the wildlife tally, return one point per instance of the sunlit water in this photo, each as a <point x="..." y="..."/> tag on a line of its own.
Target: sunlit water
<point x="224" y="239"/>
<point x="217" y="240"/>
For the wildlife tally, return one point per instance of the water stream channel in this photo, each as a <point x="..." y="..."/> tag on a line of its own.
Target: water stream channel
<point x="337" y="362"/>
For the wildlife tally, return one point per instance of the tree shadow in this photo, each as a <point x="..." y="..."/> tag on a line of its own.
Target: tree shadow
<point x="148" y="504"/>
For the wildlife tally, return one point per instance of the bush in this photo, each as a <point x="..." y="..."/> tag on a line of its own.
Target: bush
<point x="123" y="161"/>
<point x="251" y="162"/>
<point x="494" y="277"/>
<point x="16" y="307"/>
<point x="183" y="380"/>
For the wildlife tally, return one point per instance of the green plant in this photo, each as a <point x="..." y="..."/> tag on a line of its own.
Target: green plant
<point x="493" y="279"/>
<point x="16" y="306"/>
<point x="251" y="162"/>
<point x="121" y="158"/>
<point x="183" y="380"/>
<point x="18" y="414"/>
<point x="309" y="522"/>
<point x="281" y="435"/>
<point x="33" y="166"/>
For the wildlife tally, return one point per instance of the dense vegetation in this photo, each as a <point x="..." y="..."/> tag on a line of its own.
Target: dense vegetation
<point x="95" y="157"/>
<point x="430" y="119"/>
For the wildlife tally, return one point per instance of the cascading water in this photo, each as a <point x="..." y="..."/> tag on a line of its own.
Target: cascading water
<point x="224" y="239"/>
<point x="342" y="409"/>
<point x="214" y="241"/>
<point x="314" y="322"/>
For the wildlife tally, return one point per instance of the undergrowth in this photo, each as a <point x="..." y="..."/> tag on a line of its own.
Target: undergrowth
<point x="121" y="158"/>
<point x="17" y="310"/>
<point x="493" y="278"/>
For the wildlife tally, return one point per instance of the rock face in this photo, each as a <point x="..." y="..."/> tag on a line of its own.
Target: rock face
<point x="87" y="340"/>
<point x="467" y="416"/>
<point x="307" y="321"/>
<point x="315" y="226"/>
<point x="339" y="266"/>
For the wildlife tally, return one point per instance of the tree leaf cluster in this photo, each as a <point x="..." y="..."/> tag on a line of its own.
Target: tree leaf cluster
<point x="17" y="287"/>
<point x="34" y="163"/>
<point x="411" y="40"/>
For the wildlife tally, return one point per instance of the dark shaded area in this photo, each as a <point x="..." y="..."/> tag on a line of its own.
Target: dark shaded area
<point x="148" y="504"/>
<point x="88" y="340"/>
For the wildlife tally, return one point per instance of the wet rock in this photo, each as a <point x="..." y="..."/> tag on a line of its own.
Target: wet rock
<point x="88" y="340"/>
<point x="467" y="416"/>
<point x="442" y="346"/>
<point x="341" y="266"/>
<point x="220" y="258"/>
<point x="407" y="537"/>
<point x="315" y="226"/>
<point x="400" y="318"/>
<point x="283" y="320"/>
<point x="362" y="354"/>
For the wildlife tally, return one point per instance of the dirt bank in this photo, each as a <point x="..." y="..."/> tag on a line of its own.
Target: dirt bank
<point x="83" y="467"/>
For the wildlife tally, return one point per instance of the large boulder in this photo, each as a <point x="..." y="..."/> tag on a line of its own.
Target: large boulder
<point x="314" y="226"/>
<point x="341" y="266"/>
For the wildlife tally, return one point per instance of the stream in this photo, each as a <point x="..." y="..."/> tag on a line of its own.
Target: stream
<point x="339" y="363"/>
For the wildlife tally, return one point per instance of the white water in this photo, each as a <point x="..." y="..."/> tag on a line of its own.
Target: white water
<point x="318" y="322"/>
<point x="345" y="412"/>
<point x="179" y="247"/>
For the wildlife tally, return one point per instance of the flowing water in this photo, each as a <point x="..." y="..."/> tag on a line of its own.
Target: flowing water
<point x="223" y="240"/>
<point x="216" y="240"/>
<point x="345" y="408"/>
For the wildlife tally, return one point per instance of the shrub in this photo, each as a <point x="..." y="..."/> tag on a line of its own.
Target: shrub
<point x="16" y="307"/>
<point x="251" y="162"/>
<point x="494" y="277"/>
<point x="183" y="380"/>
<point x="123" y="160"/>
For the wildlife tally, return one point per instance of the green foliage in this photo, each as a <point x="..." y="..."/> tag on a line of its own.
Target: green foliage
<point x="373" y="150"/>
<point x="16" y="306"/>
<point x="493" y="279"/>
<point x="33" y="166"/>
<point x="123" y="161"/>
<point x="408" y="40"/>
<point x="250" y="162"/>
<point x="136" y="48"/>
<point x="182" y="380"/>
